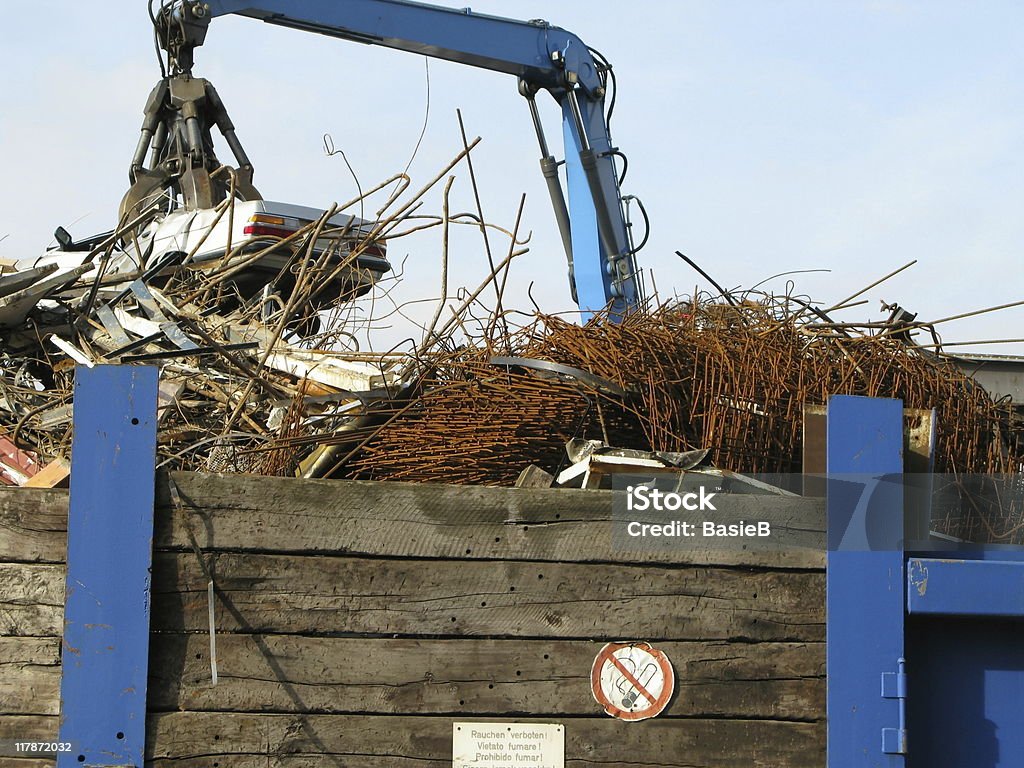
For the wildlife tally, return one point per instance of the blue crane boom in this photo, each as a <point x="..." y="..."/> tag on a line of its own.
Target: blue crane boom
<point x="593" y="223"/>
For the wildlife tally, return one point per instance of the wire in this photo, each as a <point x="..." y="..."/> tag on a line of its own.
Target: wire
<point x="156" y="41"/>
<point x="426" y="117"/>
<point x="725" y="294"/>
<point x="647" y="221"/>
<point x="613" y="97"/>
<point x="173" y="58"/>
<point x="331" y="151"/>
<point x="608" y="76"/>
<point x="625" y="163"/>
<point x="787" y="272"/>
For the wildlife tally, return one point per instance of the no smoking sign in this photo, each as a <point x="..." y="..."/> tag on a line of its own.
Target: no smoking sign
<point x="632" y="681"/>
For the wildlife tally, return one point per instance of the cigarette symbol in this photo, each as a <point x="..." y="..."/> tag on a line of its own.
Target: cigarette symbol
<point x="630" y="693"/>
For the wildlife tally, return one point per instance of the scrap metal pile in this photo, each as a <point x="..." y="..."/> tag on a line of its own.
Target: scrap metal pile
<point x="248" y="308"/>
<point x="686" y="376"/>
<point x="477" y="408"/>
<point x="263" y="376"/>
<point x="705" y="374"/>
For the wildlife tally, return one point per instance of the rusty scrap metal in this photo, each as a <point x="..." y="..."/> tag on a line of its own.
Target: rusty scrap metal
<point x="692" y="375"/>
<point x="229" y="357"/>
<point x="270" y="380"/>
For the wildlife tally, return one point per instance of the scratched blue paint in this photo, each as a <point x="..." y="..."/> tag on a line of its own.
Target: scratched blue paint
<point x="965" y="587"/>
<point x="865" y="590"/>
<point x="955" y="616"/>
<point x="105" y="654"/>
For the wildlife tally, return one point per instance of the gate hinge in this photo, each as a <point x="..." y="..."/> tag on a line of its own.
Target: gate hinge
<point x="894" y="686"/>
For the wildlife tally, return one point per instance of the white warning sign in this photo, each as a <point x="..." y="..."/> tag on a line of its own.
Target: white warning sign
<point x="500" y="745"/>
<point x="632" y="681"/>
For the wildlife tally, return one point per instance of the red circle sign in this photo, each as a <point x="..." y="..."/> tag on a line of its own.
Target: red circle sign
<point x="632" y="681"/>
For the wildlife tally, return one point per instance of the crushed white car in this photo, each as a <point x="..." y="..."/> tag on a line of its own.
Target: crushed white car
<point x="258" y="236"/>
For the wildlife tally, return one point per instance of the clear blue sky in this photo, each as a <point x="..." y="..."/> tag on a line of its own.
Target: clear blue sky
<point x="762" y="136"/>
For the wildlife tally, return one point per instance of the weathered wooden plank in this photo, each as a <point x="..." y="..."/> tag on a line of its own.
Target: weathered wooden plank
<point x="556" y="579"/>
<point x="31" y="599"/>
<point x="213" y="740"/>
<point x="56" y="474"/>
<point x="250" y="513"/>
<point x="29" y="675"/>
<point x="33" y="524"/>
<point x="383" y="740"/>
<point x="337" y="595"/>
<point x="286" y="673"/>
<point x="25" y="728"/>
<point x="281" y="673"/>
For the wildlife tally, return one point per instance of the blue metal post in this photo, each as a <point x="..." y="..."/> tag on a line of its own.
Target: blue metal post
<point x="105" y="654"/>
<point x="865" y="604"/>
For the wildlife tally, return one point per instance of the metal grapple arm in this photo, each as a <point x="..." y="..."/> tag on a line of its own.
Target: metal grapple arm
<point x="593" y="223"/>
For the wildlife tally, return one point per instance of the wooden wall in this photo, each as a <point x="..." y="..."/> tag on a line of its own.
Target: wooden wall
<point x="357" y="621"/>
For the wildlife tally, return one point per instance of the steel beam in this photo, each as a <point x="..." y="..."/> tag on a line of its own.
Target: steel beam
<point x="865" y="592"/>
<point x="521" y="48"/>
<point x="105" y="654"/>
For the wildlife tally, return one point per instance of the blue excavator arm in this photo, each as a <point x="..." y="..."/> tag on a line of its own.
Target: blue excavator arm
<point x="593" y="224"/>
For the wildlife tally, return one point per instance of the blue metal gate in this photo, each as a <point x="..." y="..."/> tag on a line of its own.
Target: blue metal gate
<point x="925" y="648"/>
